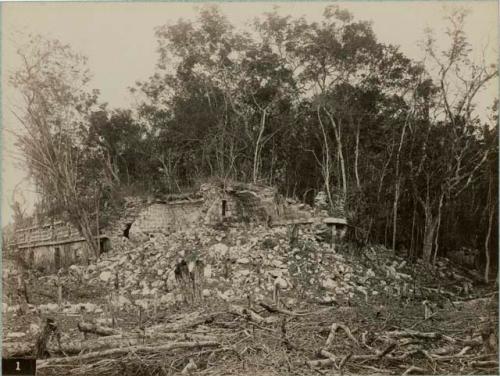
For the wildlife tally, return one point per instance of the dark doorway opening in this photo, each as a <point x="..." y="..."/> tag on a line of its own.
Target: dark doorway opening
<point x="224" y="207"/>
<point x="32" y="258"/>
<point x="127" y="229"/>
<point x="105" y="244"/>
<point x="57" y="258"/>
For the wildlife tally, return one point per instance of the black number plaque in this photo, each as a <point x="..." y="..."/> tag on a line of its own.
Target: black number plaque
<point x="18" y="366"/>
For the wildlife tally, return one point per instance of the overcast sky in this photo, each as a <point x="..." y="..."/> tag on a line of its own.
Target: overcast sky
<point x="118" y="39"/>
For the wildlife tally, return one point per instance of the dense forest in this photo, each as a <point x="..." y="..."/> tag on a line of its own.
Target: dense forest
<point x="303" y="106"/>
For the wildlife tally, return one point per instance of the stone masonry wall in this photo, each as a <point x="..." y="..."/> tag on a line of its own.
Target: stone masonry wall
<point x="50" y="258"/>
<point x="165" y="217"/>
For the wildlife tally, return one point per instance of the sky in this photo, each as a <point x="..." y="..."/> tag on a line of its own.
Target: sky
<point x="118" y="39"/>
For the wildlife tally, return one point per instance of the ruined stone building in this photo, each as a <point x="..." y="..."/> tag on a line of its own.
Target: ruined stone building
<point x="53" y="246"/>
<point x="59" y="245"/>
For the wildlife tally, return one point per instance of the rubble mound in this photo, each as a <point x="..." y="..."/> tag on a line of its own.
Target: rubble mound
<point x="246" y="261"/>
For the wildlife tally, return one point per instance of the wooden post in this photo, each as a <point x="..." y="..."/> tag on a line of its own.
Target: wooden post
<point x="332" y="240"/>
<point x="276" y="294"/>
<point x="155" y="306"/>
<point x="140" y="317"/>
<point x="59" y="296"/>
<point x="114" y="301"/>
<point x="59" y="291"/>
<point x="83" y="318"/>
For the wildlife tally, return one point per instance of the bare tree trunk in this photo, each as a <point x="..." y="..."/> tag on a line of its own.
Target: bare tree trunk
<point x="436" y="240"/>
<point x="397" y="187"/>
<point x="356" y="158"/>
<point x="342" y="168"/>
<point x="491" y="211"/>
<point x="430" y="227"/>
<point x="412" y="241"/>
<point x="395" y="212"/>
<point x="256" y="156"/>
<point x="336" y="131"/>
<point x="487" y="247"/>
<point x="379" y="190"/>
<point x="386" y="232"/>
<point x="325" y="166"/>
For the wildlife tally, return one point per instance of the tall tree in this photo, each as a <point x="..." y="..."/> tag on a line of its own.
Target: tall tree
<point x="54" y="112"/>
<point x="449" y="156"/>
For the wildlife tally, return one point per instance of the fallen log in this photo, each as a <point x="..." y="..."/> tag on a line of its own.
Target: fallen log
<point x="88" y="327"/>
<point x="413" y="333"/>
<point x="178" y="337"/>
<point x="125" y="350"/>
<point x="20" y="349"/>
<point x="484" y="363"/>
<point x="75" y="347"/>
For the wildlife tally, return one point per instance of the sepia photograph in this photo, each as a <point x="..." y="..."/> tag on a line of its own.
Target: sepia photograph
<point x="250" y="188"/>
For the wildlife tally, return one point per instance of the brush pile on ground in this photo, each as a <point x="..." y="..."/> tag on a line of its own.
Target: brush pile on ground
<point x="262" y="338"/>
<point x="242" y="300"/>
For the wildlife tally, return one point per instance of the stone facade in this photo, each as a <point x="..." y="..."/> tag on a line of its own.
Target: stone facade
<point x="165" y="217"/>
<point x="52" y="257"/>
<point x="53" y="246"/>
<point x="215" y="204"/>
<point x="239" y="203"/>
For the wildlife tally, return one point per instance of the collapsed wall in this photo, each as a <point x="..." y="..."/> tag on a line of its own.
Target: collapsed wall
<point x="214" y="204"/>
<point x="239" y="203"/>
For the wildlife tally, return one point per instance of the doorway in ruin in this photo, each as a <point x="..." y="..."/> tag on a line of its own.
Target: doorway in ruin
<point x="127" y="230"/>
<point x="224" y="208"/>
<point x="57" y="258"/>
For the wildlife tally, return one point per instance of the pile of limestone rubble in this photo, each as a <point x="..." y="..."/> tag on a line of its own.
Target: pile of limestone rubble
<point x="251" y="263"/>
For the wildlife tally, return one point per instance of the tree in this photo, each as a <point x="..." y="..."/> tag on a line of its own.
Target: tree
<point x="54" y="117"/>
<point x="448" y="154"/>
